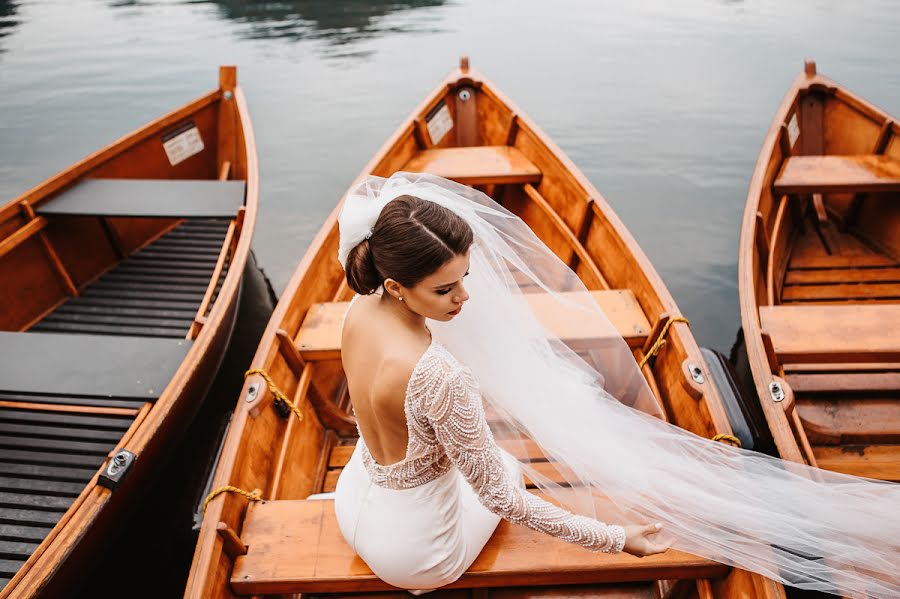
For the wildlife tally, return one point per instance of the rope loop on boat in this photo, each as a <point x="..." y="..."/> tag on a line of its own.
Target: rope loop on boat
<point x="727" y="439"/>
<point x="280" y="397"/>
<point x="660" y="339"/>
<point x="252" y="496"/>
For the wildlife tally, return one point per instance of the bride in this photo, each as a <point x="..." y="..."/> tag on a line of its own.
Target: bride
<point x="428" y="482"/>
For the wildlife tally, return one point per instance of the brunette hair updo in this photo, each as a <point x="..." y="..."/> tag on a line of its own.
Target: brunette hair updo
<point x="412" y="238"/>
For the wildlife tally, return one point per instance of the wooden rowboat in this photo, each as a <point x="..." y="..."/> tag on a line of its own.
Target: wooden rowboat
<point x="820" y="280"/>
<point x="468" y="131"/>
<point x="121" y="282"/>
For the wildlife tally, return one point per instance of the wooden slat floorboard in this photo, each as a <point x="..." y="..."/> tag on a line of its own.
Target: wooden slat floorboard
<point x="44" y="466"/>
<point x="827" y="276"/>
<point x="856" y="291"/>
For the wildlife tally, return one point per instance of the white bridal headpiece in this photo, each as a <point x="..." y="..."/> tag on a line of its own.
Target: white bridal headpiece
<point x="586" y="406"/>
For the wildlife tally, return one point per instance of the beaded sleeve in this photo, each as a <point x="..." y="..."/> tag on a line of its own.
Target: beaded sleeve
<point x="456" y="414"/>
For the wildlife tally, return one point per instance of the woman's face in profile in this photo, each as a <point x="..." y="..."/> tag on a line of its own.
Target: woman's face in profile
<point x="440" y="295"/>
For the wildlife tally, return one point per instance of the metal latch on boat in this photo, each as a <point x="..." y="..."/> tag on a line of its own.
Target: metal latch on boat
<point x="696" y="373"/>
<point x="252" y="392"/>
<point x="116" y="469"/>
<point x="776" y="391"/>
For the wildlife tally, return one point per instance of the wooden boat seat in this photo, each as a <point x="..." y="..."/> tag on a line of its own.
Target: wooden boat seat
<point x="873" y="461"/>
<point x="295" y="546"/>
<point x="838" y="174"/>
<point x="319" y="337"/>
<point x="876" y="378"/>
<point x="842" y="420"/>
<point x="476" y="165"/>
<point x="159" y="198"/>
<point x="833" y="333"/>
<point x="63" y="368"/>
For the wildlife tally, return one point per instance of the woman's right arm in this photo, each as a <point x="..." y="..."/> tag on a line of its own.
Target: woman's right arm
<point x="456" y="414"/>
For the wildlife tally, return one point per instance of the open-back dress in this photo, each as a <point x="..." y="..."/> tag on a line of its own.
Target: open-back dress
<point x="420" y="523"/>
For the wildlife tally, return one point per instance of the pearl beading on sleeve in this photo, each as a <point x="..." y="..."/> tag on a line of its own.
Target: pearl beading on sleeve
<point x="447" y="427"/>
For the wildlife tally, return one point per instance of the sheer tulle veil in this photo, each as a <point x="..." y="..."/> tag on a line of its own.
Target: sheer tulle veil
<point x="799" y="525"/>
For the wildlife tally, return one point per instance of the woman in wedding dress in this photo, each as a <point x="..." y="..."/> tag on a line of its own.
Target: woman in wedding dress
<point x="427" y="483"/>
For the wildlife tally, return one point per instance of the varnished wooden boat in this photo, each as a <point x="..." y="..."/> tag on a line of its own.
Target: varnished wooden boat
<point x="121" y="278"/>
<point x="468" y="131"/>
<point x="820" y="280"/>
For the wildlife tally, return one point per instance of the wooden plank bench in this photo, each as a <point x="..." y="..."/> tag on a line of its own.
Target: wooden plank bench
<point x="296" y="546"/>
<point x="833" y="333"/>
<point x="873" y="461"/>
<point x="73" y="365"/>
<point x="476" y="165"/>
<point x="838" y="174"/>
<point x="850" y="420"/>
<point x="319" y="337"/>
<point x="881" y="379"/>
<point x="158" y="198"/>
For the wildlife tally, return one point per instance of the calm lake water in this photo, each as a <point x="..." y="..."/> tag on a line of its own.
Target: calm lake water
<point x="662" y="105"/>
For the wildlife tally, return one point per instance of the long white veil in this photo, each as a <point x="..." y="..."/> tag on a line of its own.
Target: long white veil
<point x="802" y="526"/>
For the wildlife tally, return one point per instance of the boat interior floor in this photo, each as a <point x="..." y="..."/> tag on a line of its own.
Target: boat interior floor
<point x="77" y="384"/>
<point x="154" y="292"/>
<point x="834" y="333"/>
<point x="48" y="455"/>
<point x="853" y="270"/>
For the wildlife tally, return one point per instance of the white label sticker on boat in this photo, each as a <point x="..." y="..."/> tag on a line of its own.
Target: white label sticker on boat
<point x="793" y="129"/>
<point x="439" y="124"/>
<point x="182" y="144"/>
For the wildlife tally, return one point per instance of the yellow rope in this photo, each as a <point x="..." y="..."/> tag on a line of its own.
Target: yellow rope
<point x="660" y="340"/>
<point x="276" y="392"/>
<point x="728" y="439"/>
<point x="254" y="496"/>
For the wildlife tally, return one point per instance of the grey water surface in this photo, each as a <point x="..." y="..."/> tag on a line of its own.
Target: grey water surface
<point x="662" y="104"/>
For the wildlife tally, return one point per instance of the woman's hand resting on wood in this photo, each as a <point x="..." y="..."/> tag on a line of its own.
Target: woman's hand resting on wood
<point x="639" y="541"/>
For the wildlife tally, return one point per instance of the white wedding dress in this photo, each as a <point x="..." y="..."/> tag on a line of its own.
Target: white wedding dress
<point x="420" y="523"/>
<point x="416" y="522"/>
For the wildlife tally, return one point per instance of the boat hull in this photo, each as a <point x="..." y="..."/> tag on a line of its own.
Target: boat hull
<point x="285" y="458"/>
<point x="127" y="277"/>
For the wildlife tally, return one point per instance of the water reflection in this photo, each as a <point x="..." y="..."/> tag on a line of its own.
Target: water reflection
<point x="8" y="20"/>
<point x="339" y="24"/>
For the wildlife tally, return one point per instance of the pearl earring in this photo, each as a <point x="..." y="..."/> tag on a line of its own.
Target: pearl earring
<point x="400" y="298"/>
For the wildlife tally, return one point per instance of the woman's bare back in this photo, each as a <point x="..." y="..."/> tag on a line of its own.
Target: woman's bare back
<point x="379" y="353"/>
